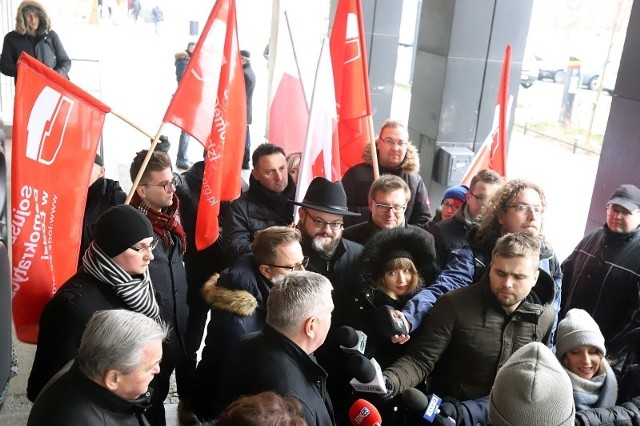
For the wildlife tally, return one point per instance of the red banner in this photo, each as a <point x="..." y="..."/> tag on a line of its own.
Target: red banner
<point x="351" y="79"/>
<point x="56" y="130"/>
<point x="214" y="68"/>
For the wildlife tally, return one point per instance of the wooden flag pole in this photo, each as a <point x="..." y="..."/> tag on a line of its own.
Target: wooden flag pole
<point x="374" y="152"/>
<point x="143" y="167"/>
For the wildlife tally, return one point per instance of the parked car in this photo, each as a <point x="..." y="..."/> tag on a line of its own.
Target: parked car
<point x="590" y="76"/>
<point x="551" y="68"/>
<point x="529" y="72"/>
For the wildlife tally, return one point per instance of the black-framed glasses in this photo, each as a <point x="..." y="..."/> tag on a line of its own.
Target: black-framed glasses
<point x="170" y="184"/>
<point x="523" y="208"/>
<point x="297" y="267"/>
<point x="320" y="224"/>
<point x="390" y="142"/>
<point x="480" y="199"/>
<point x="386" y="207"/>
<point x="148" y="248"/>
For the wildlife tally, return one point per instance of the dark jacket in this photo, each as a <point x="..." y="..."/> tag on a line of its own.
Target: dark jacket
<point x="249" y="84"/>
<point x="627" y="414"/>
<point x="450" y="234"/>
<point x="181" y="62"/>
<point x="102" y="194"/>
<point x="62" y="323"/>
<point x="361" y="232"/>
<point x="44" y="46"/>
<point x="358" y="179"/>
<point x="238" y="300"/>
<point x="74" y="398"/>
<point x="465" y="266"/>
<point x="602" y="276"/>
<point x="468" y="336"/>
<point x="269" y="361"/>
<point x="253" y="211"/>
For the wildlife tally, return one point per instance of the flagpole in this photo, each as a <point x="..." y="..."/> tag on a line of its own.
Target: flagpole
<point x="143" y="167"/>
<point x="295" y="59"/>
<point x="374" y="152"/>
<point x="132" y="124"/>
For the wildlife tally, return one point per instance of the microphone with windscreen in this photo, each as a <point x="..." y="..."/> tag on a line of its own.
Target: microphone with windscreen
<point x="427" y="406"/>
<point x="364" y="413"/>
<point x="367" y="375"/>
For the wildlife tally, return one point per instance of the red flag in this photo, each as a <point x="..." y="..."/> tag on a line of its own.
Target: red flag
<point x="56" y="130"/>
<point x="351" y="78"/>
<point x="320" y="156"/>
<point x="210" y="105"/>
<point x="288" y="109"/>
<point x="493" y="151"/>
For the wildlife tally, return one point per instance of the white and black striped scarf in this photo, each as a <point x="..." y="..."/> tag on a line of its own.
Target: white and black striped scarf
<point x="136" y="293"/>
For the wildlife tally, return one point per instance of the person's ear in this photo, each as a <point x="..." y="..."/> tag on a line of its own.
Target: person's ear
<point x="265" y="271"/>
<point x="310" y="325"/>
<point x="110" y="379"/>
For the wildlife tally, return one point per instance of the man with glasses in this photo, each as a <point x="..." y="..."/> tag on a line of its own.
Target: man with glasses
<point x="396" y="156"/>
<point x="602" y="275"/>
<point x="155" y="196"/>
<point x="238" y="299"/>
<point x="115" y="274"/>
<point x="449" y="234"/>
<point x="388" y="199"/>
<point x="517" y="206"/>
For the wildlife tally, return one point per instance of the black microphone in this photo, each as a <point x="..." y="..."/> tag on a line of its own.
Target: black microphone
<point x="351" y="340"/>
<point x="367" y="375"/>
<point x="428" y="406"/>
<point x="388" y="322"/>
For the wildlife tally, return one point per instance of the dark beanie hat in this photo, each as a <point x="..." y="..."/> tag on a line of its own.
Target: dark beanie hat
<point x="119" y="228"/>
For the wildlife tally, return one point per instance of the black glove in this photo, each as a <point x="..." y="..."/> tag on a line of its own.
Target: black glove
<point x="163" y="144"/>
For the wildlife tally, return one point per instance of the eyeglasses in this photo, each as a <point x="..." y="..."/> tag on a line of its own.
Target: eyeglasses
<point x="167" y="186"/>
<point x="320" y="224"/>
<point x="524" y="208"/>
<point x="480" y="199"/>
<point x="386" y="207"/>
<point x="450" y="205"/>
<point x="148" y="248"/>
<point x="618" y="211"/>
<point x="297" y="267"/>
<point x="390" y="142"/>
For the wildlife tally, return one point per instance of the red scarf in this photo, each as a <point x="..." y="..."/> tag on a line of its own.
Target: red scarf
<point x="164" y="223"/>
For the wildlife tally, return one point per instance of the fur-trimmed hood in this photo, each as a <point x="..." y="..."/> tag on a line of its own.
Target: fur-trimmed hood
<point x="183" y="55"/>
<point x="411" y="163"/>
<point x="21" y="23"/>
<point x="238" y="302"/>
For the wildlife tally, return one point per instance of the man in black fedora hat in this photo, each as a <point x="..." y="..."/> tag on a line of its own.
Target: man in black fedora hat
<point x="321" y="221"/>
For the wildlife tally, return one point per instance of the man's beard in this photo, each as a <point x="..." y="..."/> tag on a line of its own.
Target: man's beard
<point x="326" y="249"/>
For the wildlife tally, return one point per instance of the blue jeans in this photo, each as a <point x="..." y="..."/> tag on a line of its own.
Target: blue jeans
<point x="183" y="144"/>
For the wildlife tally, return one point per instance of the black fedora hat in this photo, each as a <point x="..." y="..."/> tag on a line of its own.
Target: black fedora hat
<point x="327" y="197"/>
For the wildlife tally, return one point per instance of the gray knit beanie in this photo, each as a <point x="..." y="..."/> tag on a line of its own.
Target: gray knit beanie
<point x="532" y="389"/>
<point x="578" y="329"/>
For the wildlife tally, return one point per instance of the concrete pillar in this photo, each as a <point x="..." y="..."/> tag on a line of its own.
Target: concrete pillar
<point x="460" y="48"/>
<point x="621" y="145"/>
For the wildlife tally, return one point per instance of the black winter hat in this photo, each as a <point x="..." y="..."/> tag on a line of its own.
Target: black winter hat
<point x="119" y="228"/>
<point x="395" y="243"/>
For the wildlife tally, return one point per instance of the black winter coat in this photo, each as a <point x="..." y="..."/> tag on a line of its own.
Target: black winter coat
<point x="74" y="398"/>
<point x="238" y="300"/>
<point x="269" y="361"/>
<point x="450" y="234"/>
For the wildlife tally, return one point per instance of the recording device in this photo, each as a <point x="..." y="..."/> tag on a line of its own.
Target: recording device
<point x="351" y="340"/>
<point x="363" y="413"/>
<point x="367" y="375"/>
<point x="428" y="406"/>
<point x="389" y="322"/>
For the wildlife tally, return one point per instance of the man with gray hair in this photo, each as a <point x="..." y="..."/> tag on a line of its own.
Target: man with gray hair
<point x="119" y="355"/>
<point x="280" y="358"/>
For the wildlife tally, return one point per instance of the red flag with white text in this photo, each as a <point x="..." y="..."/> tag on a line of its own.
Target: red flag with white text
<point x="213" y="95"/>
<point x="320" y="155"/>
<point x="351" y="79"/>
<point x="493" y="151"/>
<point x="56" y="131"/>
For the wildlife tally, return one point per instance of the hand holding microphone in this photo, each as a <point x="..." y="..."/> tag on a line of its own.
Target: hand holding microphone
<point x="363" y="413"/>
<point x="431" y="408"/>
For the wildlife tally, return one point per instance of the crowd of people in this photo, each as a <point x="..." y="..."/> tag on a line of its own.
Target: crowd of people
<point x="357" y="291"/>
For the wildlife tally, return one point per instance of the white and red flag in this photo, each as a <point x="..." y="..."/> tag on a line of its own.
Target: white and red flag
<point x="210" y="105"/>
<point x="492" y="154"/>
<point x="351" y="79"/>
<point x="56" y="131"/>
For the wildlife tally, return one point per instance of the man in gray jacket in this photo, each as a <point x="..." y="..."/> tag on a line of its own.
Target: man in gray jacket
<point x="471" y="332"/>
